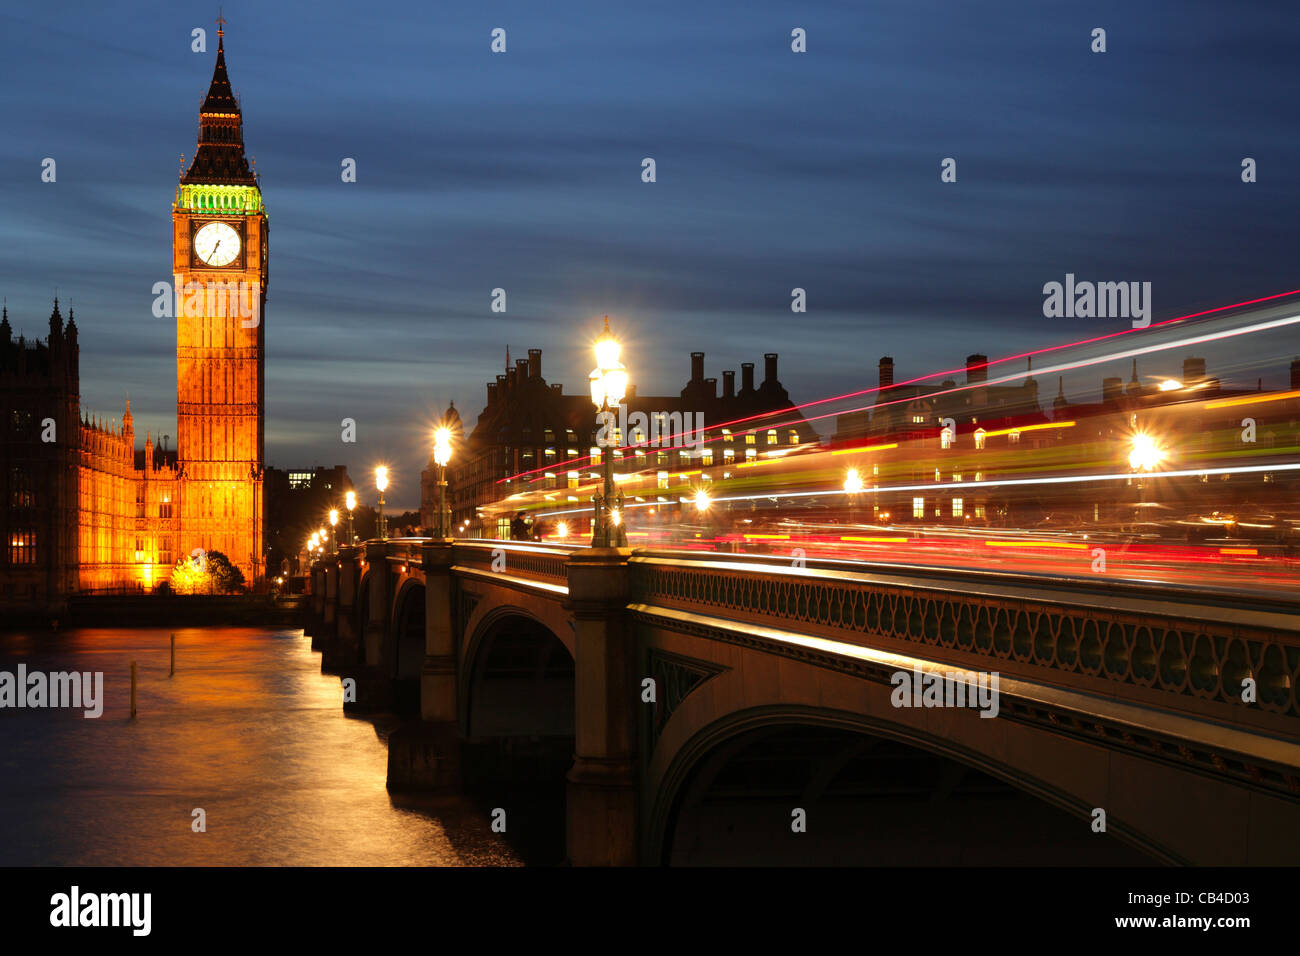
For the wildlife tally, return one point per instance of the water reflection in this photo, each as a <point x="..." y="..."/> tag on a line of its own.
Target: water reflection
<point x="248" y="729"/>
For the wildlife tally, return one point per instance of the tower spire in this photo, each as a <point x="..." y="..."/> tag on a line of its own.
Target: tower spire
<point x="220" y="156"/>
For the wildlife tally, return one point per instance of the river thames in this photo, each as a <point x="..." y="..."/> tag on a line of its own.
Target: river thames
<point x="248" y="730"/>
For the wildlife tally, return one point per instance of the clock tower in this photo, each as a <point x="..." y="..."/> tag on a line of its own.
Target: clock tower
<point x="219" y="265"/>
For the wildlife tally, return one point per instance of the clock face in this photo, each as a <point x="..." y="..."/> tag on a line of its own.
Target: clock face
<point x="217" y="244"/>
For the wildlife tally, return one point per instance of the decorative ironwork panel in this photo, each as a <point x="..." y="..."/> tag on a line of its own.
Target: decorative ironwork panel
<point x="1194" y="661"/>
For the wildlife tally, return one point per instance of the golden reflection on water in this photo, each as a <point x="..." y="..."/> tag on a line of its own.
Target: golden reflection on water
<point x="248" y="729"/>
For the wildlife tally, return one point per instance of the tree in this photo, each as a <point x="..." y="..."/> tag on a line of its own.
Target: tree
<point x="206" y="573"/>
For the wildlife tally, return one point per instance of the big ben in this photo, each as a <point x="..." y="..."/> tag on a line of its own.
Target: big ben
<point x="219" y="264"/>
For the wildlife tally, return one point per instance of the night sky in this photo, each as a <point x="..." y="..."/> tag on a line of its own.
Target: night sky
<point x="522" y="170"/>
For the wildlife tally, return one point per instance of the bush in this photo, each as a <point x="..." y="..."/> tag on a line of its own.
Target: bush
<point x="209" y="573"/>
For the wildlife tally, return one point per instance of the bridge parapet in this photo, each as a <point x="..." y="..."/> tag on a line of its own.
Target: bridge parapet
<point x="1181" y="650"/>
<point x="545" y="563"/>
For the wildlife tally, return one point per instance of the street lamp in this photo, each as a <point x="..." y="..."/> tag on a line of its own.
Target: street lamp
<point x="350" y="501"/>
<point x="852" y="487"/>
<point x="608" y="382"/>
<point x="334" y="523"/>
<point x="381" y="482"/>
<point x="1145" y="453"/>
<point x="442" y="455"/>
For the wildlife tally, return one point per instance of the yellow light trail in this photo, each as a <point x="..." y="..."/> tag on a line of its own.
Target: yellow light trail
<point x="1029" y="428"/>
<point x="864" y="448"/>
<point x="850" y="537"/>
<point x="1252" y="399"/>
<point x="1036" y="544"/>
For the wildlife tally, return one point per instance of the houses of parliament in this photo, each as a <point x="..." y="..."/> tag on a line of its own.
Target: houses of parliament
<point x="84" y="509"/>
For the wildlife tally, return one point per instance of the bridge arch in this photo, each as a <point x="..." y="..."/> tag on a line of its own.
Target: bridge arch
<point x="408" y="625"/>
<point x="876" y="792"/>
<point x="516" y="678"/>
<point x="361" y="611"/>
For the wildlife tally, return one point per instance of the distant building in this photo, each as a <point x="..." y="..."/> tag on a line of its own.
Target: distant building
<point x="531" y="429"/>
<point x="298" y="501"/>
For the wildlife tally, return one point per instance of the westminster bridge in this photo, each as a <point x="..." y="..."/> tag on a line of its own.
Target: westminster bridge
<point x="711" y="707"/>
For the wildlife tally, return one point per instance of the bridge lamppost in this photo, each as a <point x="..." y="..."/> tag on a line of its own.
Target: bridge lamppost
<point x="381" y="482"/>
<point x="608" y="382"/>
<point x="1145" y="455"/>
<point x="852" y="488"/>
<point x="441" y="456"/>
<point x="334" y="524"/>
<point x="703" y="505"/>
<point x="350" y="501"/>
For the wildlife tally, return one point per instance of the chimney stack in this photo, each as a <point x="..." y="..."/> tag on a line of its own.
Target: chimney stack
<point x="534" y="363"/>
<point x="1193" y="371"/>
<point x="1295" y="375"/>
<point x="710" y="388"/>
<point x="769" y="368"/>
<point x="1112" y="389"/>
<point x="886" y="373"/>
<point x="492" y="393"/>
<point x="729" y="380"/>
<point x="977" y="369"/>
<point x="697" y="366"/>
<point x="746" y="377"/>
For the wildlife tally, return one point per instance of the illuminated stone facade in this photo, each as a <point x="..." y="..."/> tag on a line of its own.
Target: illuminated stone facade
<point x="83" y="509"/>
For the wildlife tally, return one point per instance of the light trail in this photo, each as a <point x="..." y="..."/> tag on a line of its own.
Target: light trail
<point x="924" y="378"/>
<point x="951" y="485"/>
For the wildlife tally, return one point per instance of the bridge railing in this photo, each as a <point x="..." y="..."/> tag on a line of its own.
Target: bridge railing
<point x="530" y="560"/>
<point x="1169" y="647"/>
<point x="547" y="563"/>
